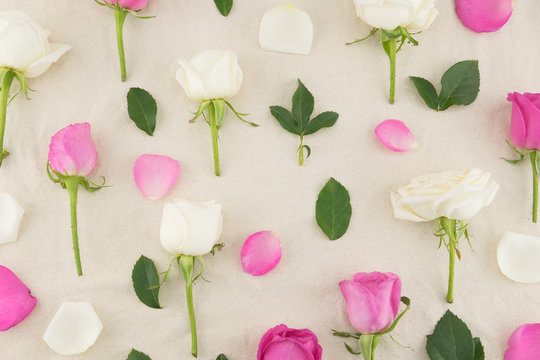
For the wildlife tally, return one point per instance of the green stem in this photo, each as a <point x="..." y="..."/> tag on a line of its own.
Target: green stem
<point x="72" y="186"/>
<point x="7" y="80"/>
<point x="301" y="151"/>
<point x="534" y="154"/>
<point x="392" y="43"/>
<point x="186" y="265"/>
<point x="368" y="343"/>
<point x="214" y="129"/>
<point x="120" y="17"/>
<point x="449" y="227"/>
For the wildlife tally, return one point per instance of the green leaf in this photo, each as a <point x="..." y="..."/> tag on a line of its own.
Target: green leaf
<point x="451" y="340"/>
<point x="326" y="119"/>
<point x="333" y="209"/>
<point x="142" y="109"/>
<point x="427" y="92"/>
<point x="478" y="349"/>
<point x="302" y="106"/>
<point x="137" y="355"/>
<point x="285" y="119"/>
<point x="460" y="84"/>
<point x="146" y="282"/>
<point x="224" y="6"/>
<point x="222" y="357"/>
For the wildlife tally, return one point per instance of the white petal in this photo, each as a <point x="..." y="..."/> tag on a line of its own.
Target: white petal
<point x="286" y="29"/>
<point x="41" y="65"/>
<point x="10" y="218"/>
<point x="74" y="328"/>
<point x="518" y="256"/>
<point x="173" y="231"/>
<point x="191" y="81"/>
<point x="204" y="223"/>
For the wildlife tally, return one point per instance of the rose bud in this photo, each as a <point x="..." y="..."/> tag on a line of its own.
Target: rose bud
<point x="282" y="342"/>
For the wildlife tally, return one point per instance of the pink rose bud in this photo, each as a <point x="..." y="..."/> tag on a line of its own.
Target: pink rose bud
<point x="525" y="125"/>
<point x="155" y="175"/>
<point x="282" y="343"/>
<point x="72" y="152"/>
<point x="372" y="300"/>
<point x="128" y="4"/>
<point x="524" y="344"/>
<point x="16" y="303"/>
<point x="484" y="15"/>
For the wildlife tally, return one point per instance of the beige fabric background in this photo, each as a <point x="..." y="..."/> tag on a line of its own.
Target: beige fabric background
<point x="262" y="186"/>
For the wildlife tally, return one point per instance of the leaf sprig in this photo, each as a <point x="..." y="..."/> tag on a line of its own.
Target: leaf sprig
<point x="298" y="121"/>
<point x="452" y="339"/>
<point x="460" y="86"/>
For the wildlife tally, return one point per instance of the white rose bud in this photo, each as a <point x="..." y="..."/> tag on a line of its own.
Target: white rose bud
<point x="190" y="228"/>
<point x="24" y="45"/>
<point x="414" y="15"/>
<point x="211" y="74"/>
<point x="454" y="195"/>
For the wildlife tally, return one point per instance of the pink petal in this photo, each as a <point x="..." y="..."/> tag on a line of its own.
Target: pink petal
<point x="261" y="253"/>
<point x="16" y="303"/>
<point x="524" y="344"/>
<point x="72" y="151"/>
<point x="155" y="175"/>
<point x="484" y="15"/>
<point x="396" y="136"/>
<point x="129" y="4"/>
<point x="531" y="116"/>
<point x="518" y="131"/>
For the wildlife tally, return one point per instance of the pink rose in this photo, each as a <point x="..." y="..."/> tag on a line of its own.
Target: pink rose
<point x="372" y="300"/>
<point x="128" y="4"/>
<point x="282" y="343"/>
<point x="525" y="125"/>
<point x="16" y="303"/>
<point x="72" y="151"/>
<point x="524" y="344"/>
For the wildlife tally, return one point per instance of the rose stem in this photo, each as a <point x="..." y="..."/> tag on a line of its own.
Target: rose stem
<point x="7" y="80"/>
<point x="535" y="187"/>
<point x="72" y="186"/>
<point x="301" y="151"/>
<point x="186" y="265"/>
<point x="214" y="129"/>
<point x="449" y="227"/>
<point x="120" y="17"/>
<point x="392" y="55"/>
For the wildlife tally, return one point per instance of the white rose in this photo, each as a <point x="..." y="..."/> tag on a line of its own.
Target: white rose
<point x="454" y="195"/>
<point x="24" y="45"/>
<point x="415" y="15"/>
<point x="190" y="228"/>
<point x="211" y="74"/>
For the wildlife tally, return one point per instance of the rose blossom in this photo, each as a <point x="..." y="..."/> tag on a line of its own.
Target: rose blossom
<point x="281" y="343"/>
<point x="415" y="15"/>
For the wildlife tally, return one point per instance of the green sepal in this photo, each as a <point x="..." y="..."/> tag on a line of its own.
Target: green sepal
<point x="135" y="13"/>
<point x="406" y="35"/>
<point x="219" y="111"/>
<point x="202" y="108"/>
<point x="350" y="350"/>
<point x="239" y="115"/>
<point x="61" y="179"/>
<point x="217" y="247"/>
<point x="371" y="33"/>
<point x="345" y="334"/>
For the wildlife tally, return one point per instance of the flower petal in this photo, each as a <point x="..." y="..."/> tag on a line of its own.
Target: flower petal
<point x="10" y="218"/>
<point x="518" y="256"/>
<point x="396" y="136"/>
<point x="205" y="225"/>
<point x="524" y="344"/>
<point x="261" y="253"/>
<point x="74" y="328"/>
<point x="41" y="65"/>
<point x="518" y="130"/>
<point x="173" y="231"/>
<point x="286" y="29"/>
<point x="484" y="15"/>
<point x="155" y="175"/>
<point x="286" y="349"/>
<point x="16" y="303"/>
